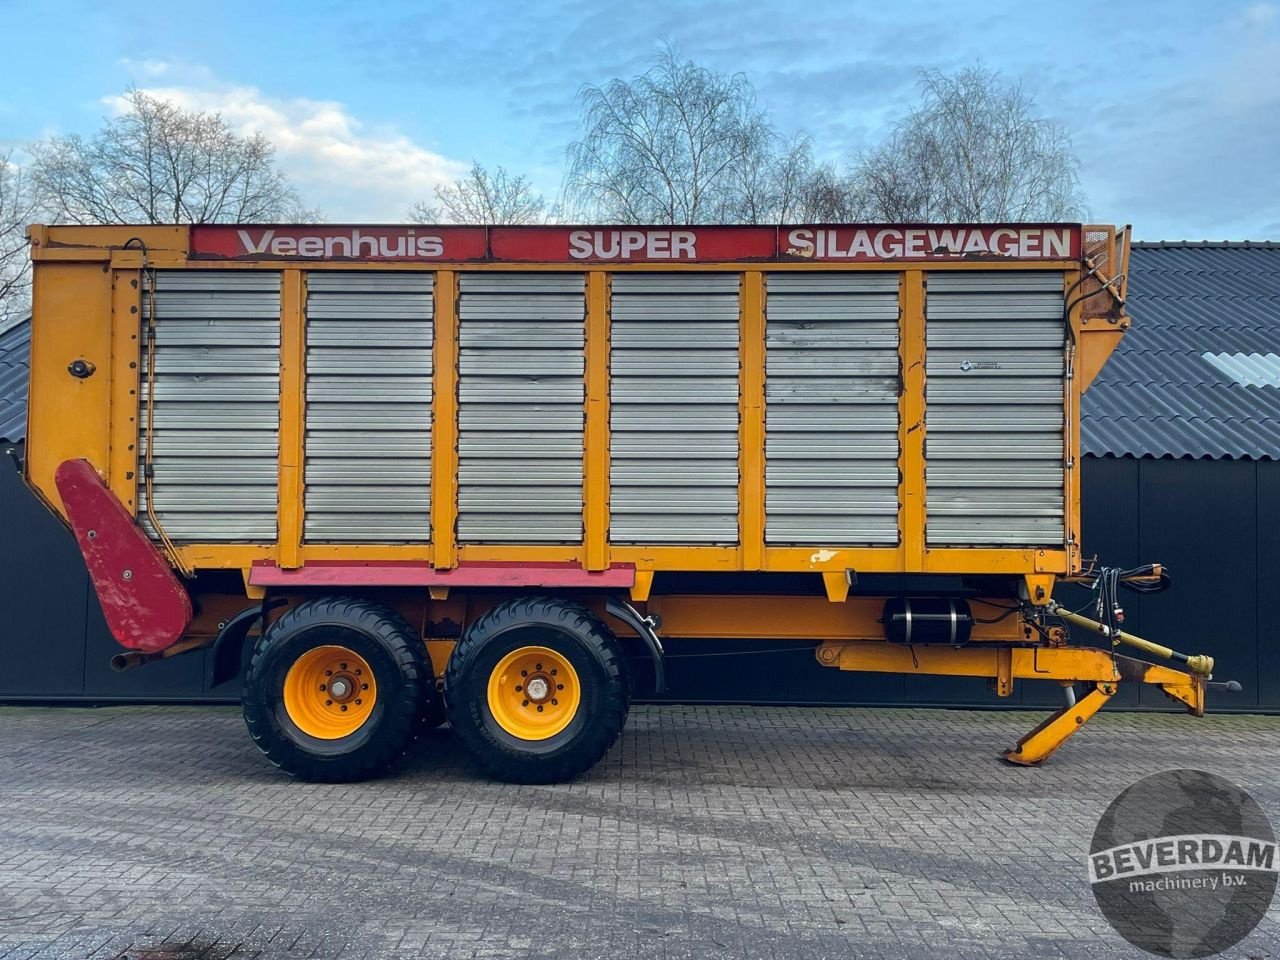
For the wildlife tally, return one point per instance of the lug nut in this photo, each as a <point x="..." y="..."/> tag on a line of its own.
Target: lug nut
<point x="538" y="688"/>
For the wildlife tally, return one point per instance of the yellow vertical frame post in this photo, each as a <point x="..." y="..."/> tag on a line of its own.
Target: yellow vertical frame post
<point x="911" y="425"/>
<point x="595" y="494"/>
<point x="1071" y="432"/>
<point x="751" y="453"/>
<point x="293" y="374"/>
<point x="126" y="358"/>
<point x="444" y="424"/>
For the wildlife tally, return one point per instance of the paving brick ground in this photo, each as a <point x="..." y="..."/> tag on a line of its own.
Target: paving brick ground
<point x="160" y="833"/>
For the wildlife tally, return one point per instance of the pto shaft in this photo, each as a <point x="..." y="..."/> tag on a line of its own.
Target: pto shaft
<point x="1196" y="663"/>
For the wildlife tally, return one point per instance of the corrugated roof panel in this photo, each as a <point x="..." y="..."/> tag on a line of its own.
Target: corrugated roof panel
<point x="1247" y="369"/>
<point x="15" y="373"/>
<point x="1163" y="393"/>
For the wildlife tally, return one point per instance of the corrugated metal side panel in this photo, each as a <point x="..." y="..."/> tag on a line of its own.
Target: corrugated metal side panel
<point x="674" y="408"/>
<point x="521" y="341"/>
<point x="831" y="393"/>
<point x="368" y="434"/>
<point x="994" y="417"/>
<point x="217" y="405"/>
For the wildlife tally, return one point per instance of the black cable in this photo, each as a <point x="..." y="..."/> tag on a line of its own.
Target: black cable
<point x="998" y="606"/>
<point x="1148" y="578"/>
<point x="1008" y="612"/>
<point x="799" y="645"/>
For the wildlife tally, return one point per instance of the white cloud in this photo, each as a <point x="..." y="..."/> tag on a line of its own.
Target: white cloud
<point x="149" y="69"/>
<point x="347" y="169"/>
<point x="1245" y="80"/>
<point x="1260" y="14"/>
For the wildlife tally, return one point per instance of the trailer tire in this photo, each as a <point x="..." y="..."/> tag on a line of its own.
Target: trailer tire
<point x="313" y="728"/>
<point x="537" y="690"/>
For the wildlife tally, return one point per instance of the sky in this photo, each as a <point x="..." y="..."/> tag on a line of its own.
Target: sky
<point x="1174" y="107"/>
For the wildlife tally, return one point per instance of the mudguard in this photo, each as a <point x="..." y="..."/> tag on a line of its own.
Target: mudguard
<point x="144" y="603"/>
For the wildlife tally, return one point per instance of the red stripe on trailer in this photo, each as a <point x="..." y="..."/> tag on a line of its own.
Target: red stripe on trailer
<point x="886" y="242"/>
<point x="609" y="244"/>
<point x="408" y="573"/>
<point x="615" y="244"/>
<point x="355" y="243"/>
<point x="143" y="602"/>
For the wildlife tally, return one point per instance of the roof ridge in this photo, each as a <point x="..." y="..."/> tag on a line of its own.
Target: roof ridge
<point x="1223" y="244"/>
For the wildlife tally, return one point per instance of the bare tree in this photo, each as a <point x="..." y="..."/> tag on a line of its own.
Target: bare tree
<point x="158" y="163"/>
<point x="806" y="191"/>
<point x="974" y="150"/>
<point x="424" y="212"/>
<point x="484" y="197"/>
<point x="16" y="212"/>
<point x="677" y="144"/>
<point x="787" y="185"/>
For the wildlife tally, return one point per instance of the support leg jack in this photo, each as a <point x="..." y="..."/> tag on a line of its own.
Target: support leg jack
<point x="1038" y="745"/>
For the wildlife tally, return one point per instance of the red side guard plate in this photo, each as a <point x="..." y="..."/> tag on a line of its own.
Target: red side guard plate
<point x="145" y="606"/>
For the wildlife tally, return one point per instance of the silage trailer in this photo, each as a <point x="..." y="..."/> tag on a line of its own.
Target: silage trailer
<point x="398" y="474"/>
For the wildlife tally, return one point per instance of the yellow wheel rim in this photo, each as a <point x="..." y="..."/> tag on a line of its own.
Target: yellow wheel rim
<point x="534" y="693"/>
<point x="329" y="692"/>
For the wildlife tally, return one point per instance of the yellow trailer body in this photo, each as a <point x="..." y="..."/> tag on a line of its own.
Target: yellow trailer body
<point x="696" y="382"/>
<point x="463" y="418"/>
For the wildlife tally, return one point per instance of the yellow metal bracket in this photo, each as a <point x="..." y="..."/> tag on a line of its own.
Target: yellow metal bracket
<point x="641" y="586"/>
<point x="987" y="660"/>
<point x="837" y="583"/>
<point x="1038" y="745"/>
<point x="1004" y="664"/>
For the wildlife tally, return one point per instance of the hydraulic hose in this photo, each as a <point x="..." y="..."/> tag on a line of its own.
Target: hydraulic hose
<point x="1199" y="664"/>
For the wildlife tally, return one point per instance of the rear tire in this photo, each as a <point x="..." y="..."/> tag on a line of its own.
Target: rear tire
<point x="537" y="690"/>
<point x="336" y="689"/>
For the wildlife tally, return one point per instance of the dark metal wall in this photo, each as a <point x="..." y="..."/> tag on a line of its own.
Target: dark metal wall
<point x="1214" y="523"/>
<point x="54" y="639"/>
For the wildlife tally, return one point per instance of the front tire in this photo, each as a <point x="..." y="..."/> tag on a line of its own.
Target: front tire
<point x="336" y="690"/>
<point x="537" y="690"/>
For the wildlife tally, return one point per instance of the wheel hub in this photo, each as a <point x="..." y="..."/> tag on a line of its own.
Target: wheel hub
<point x="342" y="688"/>
<point x="329" y="692"/>
<point x="534" y="693"/>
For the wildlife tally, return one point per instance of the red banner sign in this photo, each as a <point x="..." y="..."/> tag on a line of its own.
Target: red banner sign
<point x="1020" y="241"/>
<point x="325" y="242"/>
<point x="617" y="244"/>
<point x="628" y="244"/>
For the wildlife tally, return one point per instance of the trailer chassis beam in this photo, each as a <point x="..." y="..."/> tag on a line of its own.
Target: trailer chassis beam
<point x="1002" y="665"/>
